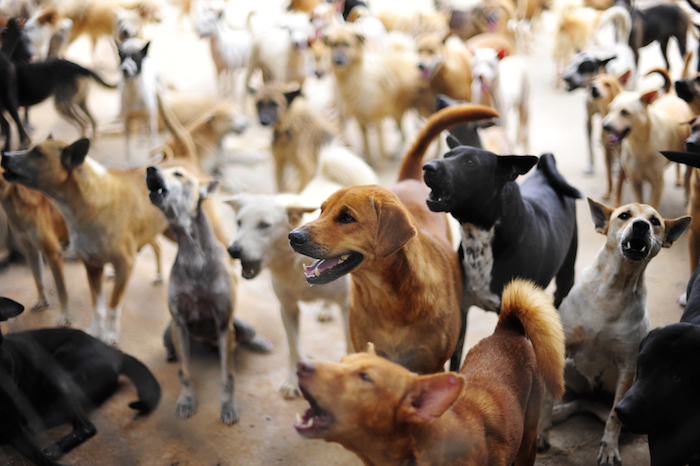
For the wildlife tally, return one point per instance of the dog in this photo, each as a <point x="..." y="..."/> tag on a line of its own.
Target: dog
<point x="662" y="403"/>
<point x="575" y="31"/>
<point x="261" y="242"/>
<point x="42" y="27"/>
<point x="406" y="281"/>
<point x="8" y="87"/>
<point x="230" y="48"/>
<point x="486" y="414"/>
<point x="643" y="127"/>
<point x="107" y="212"/>
<point x="51" y="377"/>
<point x="372" y="85"/>
<point x="299" y="132"/>
<point x="688" y="89"/>
<point x="502" y="83"/>
<point x="605" y="316"/>
<point x="444" y="65"/>
<point x="200" y="296"/>
<point x="40" y="230"/>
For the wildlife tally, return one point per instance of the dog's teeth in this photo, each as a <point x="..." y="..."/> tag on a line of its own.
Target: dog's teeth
<point x="311" y="422"/>
<point x="160" y="190"/>
<point x="316" y="272"/>
<point x="299" y="419"/>
<point x="644" y="248"/>
<point x="344" y="257"/>
<point x="629" y="245"/>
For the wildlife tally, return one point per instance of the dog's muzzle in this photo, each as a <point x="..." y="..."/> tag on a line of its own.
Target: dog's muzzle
<point x="684" y="90"/>
<point x="636" y="246"/>
<point x="692" y="144"/>
<point x="9" y="164"/>
<point x="434" y="176"/>
<point x="157" y="187"/>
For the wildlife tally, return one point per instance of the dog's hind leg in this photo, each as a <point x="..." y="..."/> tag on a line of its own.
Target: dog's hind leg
<point x="609" y="454"/>
<point x="25" y="444"/>
<point x="290" y="319"/>
<point x="456" y="359"/>
<point x="663" y="42"/>
<point x="528" y="445"/>
<point x="565" y="274"/>
<point x="64" y="106"/>
<point x="186" y="404"/>
<point x="36" y="263"/>
<point x="365" y="140"/>
<point x="621" y="177"/>
<point x="83" y="106"/>
<point x="23" y="138"/>
<point x="53" y="257"/>
<point x="95" y="273"/>
<point x="229" y="409"/>
<point x="159" y="263"/>
<point x="83" y="430"/>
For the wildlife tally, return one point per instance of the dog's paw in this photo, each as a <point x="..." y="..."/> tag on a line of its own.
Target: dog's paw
<point x="683" y="299"/>
<point x="110" y="337"/>
<point x="40" y="304"/>
<point x="290" y="389"/>
<point x="229" y="413"/>
<point x="609" y="455"/>
<point x="258" y="344"/>
<point x="53" y="452"/>
<point x="186" y="407"/>
<point x="95" y="329"/>
<point x="543" y="443"/>
<point x="325" y="313"/>
<point x="64" y="320"/>
<point x="158" y="280"/>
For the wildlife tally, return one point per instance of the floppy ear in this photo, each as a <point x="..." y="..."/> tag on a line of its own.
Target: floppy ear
<point x="294" y="213"/>
<point x="429" y="396"/>
<point x="625" y="77"/>
<point x="209" y="189"/>
<point x="600" y="213"/>
<point x="9" y="309"/>
<point x="394" y="229"/>
<point x="649" y="97"/>
<point x="235" y="201"/>
<point x="674" y="229"/>
<point x="509" y="167"/>
<point x="453" y="141"/>
<point x="74" y="155"/>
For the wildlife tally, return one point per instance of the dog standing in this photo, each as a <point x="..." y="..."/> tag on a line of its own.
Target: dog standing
<point x="486" y="414"/>
<point x="605" y="316"/>
<point x="50" y="377"/>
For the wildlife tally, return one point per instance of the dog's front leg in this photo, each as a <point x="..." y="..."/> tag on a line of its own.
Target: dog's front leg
<point x="94" y="274"/>
<point x="159" y="265"/>
<point x="621" y="177"/>
<point x="24" y="443"/>
<point x="290" y="319"/>
<point x="83" y="430"/>
<point x="53" y="257"/>
<point x="127" y="137"/>
<point x="590" y="110"/>
<point x="122" y="272"/>
<point x="609" y="454"/>
<point x="229" y="409"/>
<point x="186" y="404"/>
<point x="153" y="127"/>
<point x="37" y="266"/>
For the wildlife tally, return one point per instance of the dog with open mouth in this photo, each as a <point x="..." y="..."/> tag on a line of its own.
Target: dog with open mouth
<point x="406" y="281"/>
<point x="605" y="316"/>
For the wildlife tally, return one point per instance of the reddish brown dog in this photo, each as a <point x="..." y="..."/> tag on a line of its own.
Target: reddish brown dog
<point x="406" y="280"/>
<point x="486" y="415"/>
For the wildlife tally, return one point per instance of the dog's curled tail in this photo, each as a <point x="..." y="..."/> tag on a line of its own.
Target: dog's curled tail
<point x="526" y="307"/>
<point x="622" y="19"/>
<point x="667" y="78"/>
<point x="338" y="164"/>
<point x="147" y="386"/>
<point x="549" y="168"/>
<point x="412" y="163"/>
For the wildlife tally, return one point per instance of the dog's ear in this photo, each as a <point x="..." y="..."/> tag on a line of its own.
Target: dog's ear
<point x="453" y="141"/>
<point x="649" y="97"/>
<point x="74" y="155"/>
<point x="429" y="396"/>
<point x="625" y="77"/>
<point x="294" y="214"/>
<point x="674" y="229"/>
<point x="208" y="189"/>
<point x="144" y="50"/>
<point x="236" y="201"/>
<point x="509" y="167"/>
<point x="502" y="53"/>
<point x="602" y="63"/>
<point x="292" y="93"/>
<point x="600" y="213"/>
<point x="394" y="228"/>
<point x="9" y="309"/>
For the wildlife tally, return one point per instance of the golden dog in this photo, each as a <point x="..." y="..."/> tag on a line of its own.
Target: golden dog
<point x="444" y="65"/>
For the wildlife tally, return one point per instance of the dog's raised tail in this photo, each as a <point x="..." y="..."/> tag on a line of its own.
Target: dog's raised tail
<point x="526" y="307"/>
<point x="412" y="163"/>
<point x="667" y="79"/>
<point x="146" y="384"/>
<point x="548" y="167"/>
<point x="622" y="21"/>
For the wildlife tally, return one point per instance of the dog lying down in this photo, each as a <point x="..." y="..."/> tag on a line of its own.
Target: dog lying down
<point x="52" y="376"/>
<point x="486" y="414"/>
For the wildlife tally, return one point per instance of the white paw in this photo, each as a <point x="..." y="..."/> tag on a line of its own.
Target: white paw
<point x="110" y="337"/>
<point x="683" y="299"/>
<point x="95" y="329"/>
<point x="40" y="304"/>
<point x="290" y="389"/>
<point x="609" y="455"/>
<point x="64" y="320"/>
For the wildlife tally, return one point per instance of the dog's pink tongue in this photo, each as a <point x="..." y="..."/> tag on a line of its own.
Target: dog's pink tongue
<point x="327" y="264"/>
<point x="614" y="138"/>
<point x="426" y="74"/>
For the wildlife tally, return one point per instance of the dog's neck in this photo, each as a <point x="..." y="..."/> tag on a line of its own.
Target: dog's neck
<point x="196" y="241"/>
<point x="506" y="207"/>
<point x="83" y="192"/>
<point x="618" y="275"/>
<point x="378" y="451"/>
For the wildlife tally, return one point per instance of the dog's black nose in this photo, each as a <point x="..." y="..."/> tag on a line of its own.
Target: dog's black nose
<point x="595" y="93"/>
<point x="429" y="168"/>
<point x="297" y="238"/>
<point x="319" y="73"/>
<point x="421" y="66"/>
<point x="235" y="250"/>
<point x="691" y="145"/>
<point x="607" y="128"/>
<point x="640" y="226"/>
<point x="305" y="369"/>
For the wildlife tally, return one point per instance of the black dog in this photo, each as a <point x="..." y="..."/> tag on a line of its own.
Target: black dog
<point x="508" y="231"/>
<point x="50" y="377"/>
<point x="664" y="401"/>
<point x="12" y="41"/>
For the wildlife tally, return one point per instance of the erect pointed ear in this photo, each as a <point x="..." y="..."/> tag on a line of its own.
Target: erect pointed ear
<point x="292" y="92"/>
<point x="360" y="37"/>
<point x="9" y="309"/>
<point x="429" y="396"/>
<point x="144" y="50"/>
<point x="209" y="189"/>
<point x="625" y="77"/>
<point x="502" y="53"/>
<point x="674" y="229"/>
<point x="50" y="137"/>
<point x="394" y="228"/>
<point x="603" y="63"/>
<point x="370" y="349"/>
<point x="236" y="201"/>
<point x="294" y="213"/>
<point x="600" y="213"/>
<point x="74" y="155"/>
<point x="453" y="141"/>
<point x="509" y="167"/>
<point x="649" y="97"/>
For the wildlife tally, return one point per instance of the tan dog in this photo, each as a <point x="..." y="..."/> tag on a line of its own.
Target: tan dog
<point x="576" y="29"/>
<point x="486" y="415"/>
<point x="645" y="126"/>
<point x="372" y="85"/>
<point x="415" y="24"/>
<point x="605" y="316"/>
<point x="444" y="65"/>
<point x="406" y="280"/>
<point x="299" y="132"/>
<point x="39" y="229"/>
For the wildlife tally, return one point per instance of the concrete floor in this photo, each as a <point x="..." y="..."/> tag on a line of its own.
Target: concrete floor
<point x="264" y="435"/>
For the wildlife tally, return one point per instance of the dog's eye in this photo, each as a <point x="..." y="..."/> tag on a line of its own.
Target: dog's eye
<point x="346" y="218"/>
<point x="624" y="113"/>
<point x="470" y="162"/>
<point x="624" y="216"/>
<point x="239" y="223"/>
<point x="263" y="225"/>
<point x="364" y="377"/>
<point x="178" y="174"/>
<point x="655" y="221"/>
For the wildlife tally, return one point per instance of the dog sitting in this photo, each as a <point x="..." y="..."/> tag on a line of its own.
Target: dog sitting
<point x="50" y="377"/>
<point x="643" y="127"/>
<point x="299" y="132"/>
<point x="605" y="316"/>
<point x="406" y="282"/>
<point x="663" y="402"/>
<point x="486" y="414"/>
<point x="264" y="222"/>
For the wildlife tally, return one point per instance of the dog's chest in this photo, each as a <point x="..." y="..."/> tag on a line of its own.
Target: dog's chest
<point x="478" y="266"/>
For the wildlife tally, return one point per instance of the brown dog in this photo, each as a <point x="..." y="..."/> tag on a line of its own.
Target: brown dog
<point x="486" y="415"/>
<point x="406" y="280"/>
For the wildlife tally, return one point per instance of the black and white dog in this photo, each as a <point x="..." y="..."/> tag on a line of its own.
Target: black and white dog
<point x="53" y="376"/>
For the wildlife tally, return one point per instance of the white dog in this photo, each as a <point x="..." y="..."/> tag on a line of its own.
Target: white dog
<point x="45" y="26"/>
<point x="501" y="82"/>
<point x="264" y="223"/>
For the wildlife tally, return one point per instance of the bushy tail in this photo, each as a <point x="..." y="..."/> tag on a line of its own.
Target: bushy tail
<point x="340" y="165"/>
<point x="147" y="386"/>
<point x="549" y="168"/>
<point x="182" y="141"/>
<point x="667" y="78"/>
<point x="526" y="306"/>
<point x="412" y="164"/>
<point x="622" y="19"/>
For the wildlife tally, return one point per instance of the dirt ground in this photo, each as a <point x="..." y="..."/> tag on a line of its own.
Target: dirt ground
<point x="264" y="435"/>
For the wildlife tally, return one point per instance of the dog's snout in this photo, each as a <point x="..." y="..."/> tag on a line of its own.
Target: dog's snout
<point x="235" y="251"/>
<point x="429" y="168"/>
<point x="297" y="238"/>
<point x="640" y="226"/>
<point x="607" y="127"/>
<point x="305" y="369"/>
<point x="595" y="93"/>
<point x="692" y="144"/>
<point x="421" y="66"/>
<point x="318" y="73"/>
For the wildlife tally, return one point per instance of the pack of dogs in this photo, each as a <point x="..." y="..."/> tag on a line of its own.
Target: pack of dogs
<point x="403" y="264"/>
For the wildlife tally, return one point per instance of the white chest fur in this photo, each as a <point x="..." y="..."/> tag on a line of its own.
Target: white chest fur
<point x="478" y="266"/>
